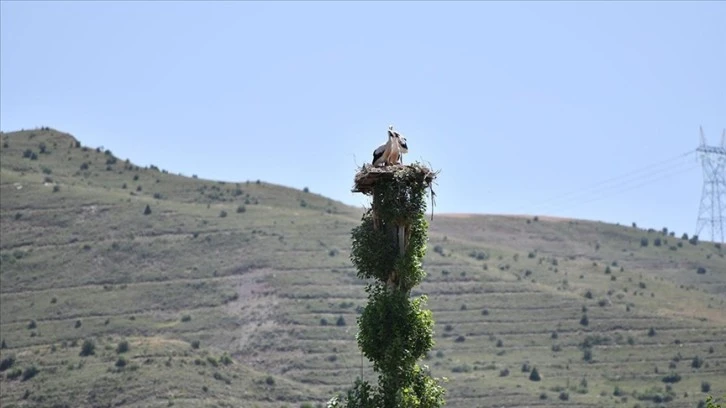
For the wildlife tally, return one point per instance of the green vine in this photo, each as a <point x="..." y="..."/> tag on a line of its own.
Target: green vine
<point x="395" y="331"/>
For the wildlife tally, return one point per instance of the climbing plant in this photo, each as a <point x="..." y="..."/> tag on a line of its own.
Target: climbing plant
<point x="395" y="330"/>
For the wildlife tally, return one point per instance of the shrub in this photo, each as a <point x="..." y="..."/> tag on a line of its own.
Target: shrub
<point x="644" y="242"/>
<point x="78" y="323"/>
<point x="241" y="209"/>
<point x="27" y="153"/>
<point x="30" y="372"/>
<point x="186" y="318"/>
<point x="587" y="354"/>
<point x="323" y="322"/>
<point x="526" y="368"/>
<point x="672" y="378"/>
<point x="32" y="325"/>
<point x="225" y="359"/>
<point x="500" y="343"/>
<point x="84" y="166"/>
<point x="701" y="270"/>
<point x="6" y="363"/>
<point x="122" y="347"/>
<point x="269" y="380"/>
<point x="56" y="188"/>
<point x="697" y="362"/>
<point x="222" y="214"/>
<point x="534" y="375"/>
<point x="195" y="344"/>
<point x="121" y="362"/>
<point x="504" y="372"/>
<point x="584" y="320"/>
<point x="588" y="294"/>
<point x="543" y="396"/>
<point x="657" y="242"/>
<point x="564" y="396"/>
<point x="147" y="210"/>
<point x="88" y="348"/>
<point x="460" y="339"/>
<point x="651" y="332"/>
<point x="340" y="321"/>
<point x="14" y="373"/>
<point x="705" y="386"/>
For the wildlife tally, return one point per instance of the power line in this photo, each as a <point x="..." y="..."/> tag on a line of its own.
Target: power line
<point x="639" y="179"/>
<point x="616" y="182"/>
<point x="623" y="189"/>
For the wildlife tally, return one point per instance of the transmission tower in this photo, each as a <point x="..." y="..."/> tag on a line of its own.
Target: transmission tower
<point x="713" y="197"/>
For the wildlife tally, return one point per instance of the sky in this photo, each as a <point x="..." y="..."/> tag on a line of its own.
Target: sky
<point x="574" y="109"/>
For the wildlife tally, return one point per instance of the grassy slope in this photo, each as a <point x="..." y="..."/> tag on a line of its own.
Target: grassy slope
<point x="84" y="262"/>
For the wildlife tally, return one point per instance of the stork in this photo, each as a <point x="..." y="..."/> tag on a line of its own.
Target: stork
<point x="391" y="152"/>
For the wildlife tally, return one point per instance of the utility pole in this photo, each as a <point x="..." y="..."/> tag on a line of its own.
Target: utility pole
<point x="713" y="196"/>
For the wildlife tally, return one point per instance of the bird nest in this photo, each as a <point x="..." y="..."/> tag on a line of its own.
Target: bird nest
<point x="368" y="176"/>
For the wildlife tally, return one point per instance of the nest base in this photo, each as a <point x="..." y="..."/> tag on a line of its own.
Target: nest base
<point x="368" y="176"/>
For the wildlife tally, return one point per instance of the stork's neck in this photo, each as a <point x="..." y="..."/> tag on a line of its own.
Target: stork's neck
<point x="395" y="147"/>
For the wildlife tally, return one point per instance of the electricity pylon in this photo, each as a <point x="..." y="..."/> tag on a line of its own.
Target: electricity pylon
<point x="713" y="197"/>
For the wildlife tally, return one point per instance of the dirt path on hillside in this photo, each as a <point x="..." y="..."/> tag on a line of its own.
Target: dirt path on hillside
<point x="254" y="308"/>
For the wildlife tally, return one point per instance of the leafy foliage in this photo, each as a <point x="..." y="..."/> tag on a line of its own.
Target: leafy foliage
<point x="395" y="331"/>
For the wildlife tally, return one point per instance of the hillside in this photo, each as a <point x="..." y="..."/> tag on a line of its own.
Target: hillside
<point x="241" y="294"/>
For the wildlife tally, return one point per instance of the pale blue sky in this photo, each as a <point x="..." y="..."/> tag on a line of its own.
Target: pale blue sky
<point x="518" y="104"/>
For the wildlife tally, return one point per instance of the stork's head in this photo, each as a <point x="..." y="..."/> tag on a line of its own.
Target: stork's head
<point x="402" y="142"/>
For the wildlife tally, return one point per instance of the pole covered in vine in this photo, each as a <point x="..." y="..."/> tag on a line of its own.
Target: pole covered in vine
<point x="394" y="330"/>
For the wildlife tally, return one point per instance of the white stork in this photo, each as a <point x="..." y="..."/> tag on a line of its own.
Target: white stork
<point x="392" y="151"/>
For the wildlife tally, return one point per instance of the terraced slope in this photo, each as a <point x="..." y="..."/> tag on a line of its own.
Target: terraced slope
<point x="242" y="294"/>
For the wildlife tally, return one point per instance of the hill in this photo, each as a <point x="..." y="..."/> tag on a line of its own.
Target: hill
<point x="195" y="292"/>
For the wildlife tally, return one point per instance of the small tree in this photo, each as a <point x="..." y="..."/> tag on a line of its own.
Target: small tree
<point x="88" y="348"/>
<point x="122" y="347"/>
<point x="534" y="375"/>
<point x="147" y="210"/>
